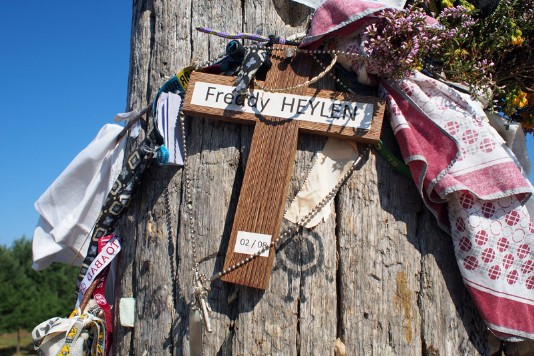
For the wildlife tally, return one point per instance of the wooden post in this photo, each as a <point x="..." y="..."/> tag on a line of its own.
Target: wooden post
<point x="378" y="277"/>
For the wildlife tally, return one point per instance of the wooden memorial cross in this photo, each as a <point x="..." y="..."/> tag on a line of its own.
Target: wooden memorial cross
<point x="278" y="118"/>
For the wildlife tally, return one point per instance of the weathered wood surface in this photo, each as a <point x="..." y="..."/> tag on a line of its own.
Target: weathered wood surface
<point x="379" y="276"/>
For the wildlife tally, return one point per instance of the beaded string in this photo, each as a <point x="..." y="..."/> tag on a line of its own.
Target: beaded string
<point x="301" y="85"/>
<point x="273" y="40"/>
<point x="332" y="75"/>
<point x="187" y="190"/>
<point x="289" y="52"/>
<point x="310" y="51"/>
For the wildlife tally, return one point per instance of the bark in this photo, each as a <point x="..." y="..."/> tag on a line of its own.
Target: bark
<point x="17" y="352"/>
<point x="377" y="278"/>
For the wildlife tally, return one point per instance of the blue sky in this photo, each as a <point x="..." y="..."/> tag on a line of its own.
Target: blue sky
<point x="63" y="75"/>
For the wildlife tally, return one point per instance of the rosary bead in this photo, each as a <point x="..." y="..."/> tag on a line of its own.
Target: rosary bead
<point x="289" y="52"/>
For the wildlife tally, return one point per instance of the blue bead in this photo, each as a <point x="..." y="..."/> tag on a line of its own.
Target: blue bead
<point x="162" y="155"/>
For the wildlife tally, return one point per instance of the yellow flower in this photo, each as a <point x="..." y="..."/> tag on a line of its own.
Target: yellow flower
<point x="467" y="5"/>
<point x="520" y="100"/>
<point x="517" y="40"/>
<point x="460" y="53"/>
<point x="447" y="3"/>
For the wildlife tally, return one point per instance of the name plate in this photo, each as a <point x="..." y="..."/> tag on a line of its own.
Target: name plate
<point x="334" y="114"/>
<point x="285" y="106"/>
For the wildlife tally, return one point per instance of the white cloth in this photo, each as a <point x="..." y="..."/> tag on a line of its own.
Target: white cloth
<point x="69" y="208"/>
<point x="168" y="125"/>
<point x="332" y="163"/>
<point x="314" y="4"/>
<point x="127" y="116"/>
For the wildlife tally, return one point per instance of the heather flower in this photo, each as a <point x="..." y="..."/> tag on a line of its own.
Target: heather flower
<point x="399" y="43"/>
<point x="458" y="21"/>
<point x="492" y="54"/>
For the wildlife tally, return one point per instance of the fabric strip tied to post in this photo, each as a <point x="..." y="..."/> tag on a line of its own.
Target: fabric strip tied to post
<point x="120" y="194"/>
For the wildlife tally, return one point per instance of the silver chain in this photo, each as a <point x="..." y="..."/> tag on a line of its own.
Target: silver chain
<point x="189" y="202"/>
<point x="291" y="231"/>
<point x="332" y="75"/>
<point x="283" y="235"/>
<point x="200" y="289"/>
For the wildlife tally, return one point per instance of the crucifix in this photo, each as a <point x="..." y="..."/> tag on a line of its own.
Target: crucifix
<point x="277" y="117"/>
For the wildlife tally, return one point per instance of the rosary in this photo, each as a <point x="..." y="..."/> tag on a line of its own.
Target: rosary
<point x="253" y="59"/>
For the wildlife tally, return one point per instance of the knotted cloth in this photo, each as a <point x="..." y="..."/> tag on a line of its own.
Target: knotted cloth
<point x="69" y="336"/>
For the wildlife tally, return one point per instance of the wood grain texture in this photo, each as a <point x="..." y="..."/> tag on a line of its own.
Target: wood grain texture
<point x="378" y="275"/>
<point x="262" y="198"/>
<point x="265" y="184"/>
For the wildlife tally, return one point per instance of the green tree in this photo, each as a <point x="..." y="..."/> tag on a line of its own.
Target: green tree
<point x="28" y="297"/>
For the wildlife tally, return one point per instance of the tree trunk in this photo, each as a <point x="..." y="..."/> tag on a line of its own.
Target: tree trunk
<point x="378" y="277"/>
<point x="18" y="342"/>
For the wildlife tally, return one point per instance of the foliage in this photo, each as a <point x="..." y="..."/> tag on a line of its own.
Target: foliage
<point x="28" y="297"/>
<point x="492" y="54"/>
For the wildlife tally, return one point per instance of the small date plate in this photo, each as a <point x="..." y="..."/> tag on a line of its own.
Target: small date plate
<point x="250" y="243"/>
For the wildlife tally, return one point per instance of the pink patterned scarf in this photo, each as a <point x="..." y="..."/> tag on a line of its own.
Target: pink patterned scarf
<point x="466" y="177"/>
<point x="473" y="185"/>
